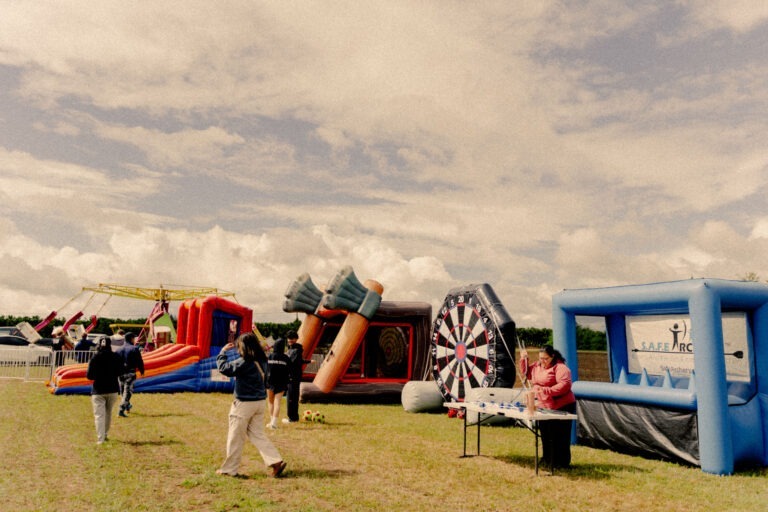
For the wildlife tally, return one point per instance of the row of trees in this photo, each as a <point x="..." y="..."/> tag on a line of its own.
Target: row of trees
<point x="586" y="338"/>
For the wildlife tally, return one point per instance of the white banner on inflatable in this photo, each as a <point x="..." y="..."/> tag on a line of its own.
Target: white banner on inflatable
<point x="666" y="342"/>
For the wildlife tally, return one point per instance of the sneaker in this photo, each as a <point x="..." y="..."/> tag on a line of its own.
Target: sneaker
<point x="128" y="407"/>
<point x="286" y="420"/>
<point x="278" y="468"/>
<point x="122" y="414"/>
<point x="271" y="426"/>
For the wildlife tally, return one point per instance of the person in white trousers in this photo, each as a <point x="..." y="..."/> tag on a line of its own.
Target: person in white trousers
<point x="246" y="415"/>
<point x="104" y="369"/>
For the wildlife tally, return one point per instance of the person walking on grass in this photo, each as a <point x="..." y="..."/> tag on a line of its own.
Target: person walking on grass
<point x="104" y="369"/>
<point x="133" y="362"/>
<point x="277" y="380"/>
<point x="246" y="415"/>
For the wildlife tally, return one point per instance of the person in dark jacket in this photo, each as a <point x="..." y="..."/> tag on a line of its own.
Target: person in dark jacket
<point x="277" y="380"/>
<point x="246" y="415"/>
<point x="104" y="369"/>
<point x="295" y="371"/>
<point x="133" y="361"/>
<point x="83" y="346"/>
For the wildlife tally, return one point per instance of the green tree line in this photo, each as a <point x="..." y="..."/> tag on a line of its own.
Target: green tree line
<point x="586" y="338"/>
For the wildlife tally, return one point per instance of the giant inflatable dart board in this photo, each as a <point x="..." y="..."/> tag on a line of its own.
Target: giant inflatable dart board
<point x="473" y="340"/>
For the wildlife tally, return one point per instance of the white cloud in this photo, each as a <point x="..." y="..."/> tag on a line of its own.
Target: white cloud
<point x="738" y="15"/>
<point x="760" y="229"/>
<point x="175" y="149"/>
<point x="246" y="264"/>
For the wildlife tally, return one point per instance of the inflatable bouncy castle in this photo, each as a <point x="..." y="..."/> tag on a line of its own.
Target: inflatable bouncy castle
<point x="688" y="364"/>
<point x="364" y="349"/>
<point x="204" y="326"/>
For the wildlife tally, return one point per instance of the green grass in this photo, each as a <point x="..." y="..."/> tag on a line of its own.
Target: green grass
<point x="165" y="455"/>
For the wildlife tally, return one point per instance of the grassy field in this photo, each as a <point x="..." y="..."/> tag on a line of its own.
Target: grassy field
<point x="377" y="458"/>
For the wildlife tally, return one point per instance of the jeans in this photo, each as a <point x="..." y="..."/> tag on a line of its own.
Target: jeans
<point x="126" y="389"/>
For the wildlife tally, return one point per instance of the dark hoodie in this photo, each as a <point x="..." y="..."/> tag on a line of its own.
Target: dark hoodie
<point x="131" y="355"/>
<point x="104" y="369"/>
<point x="277" y="367"/>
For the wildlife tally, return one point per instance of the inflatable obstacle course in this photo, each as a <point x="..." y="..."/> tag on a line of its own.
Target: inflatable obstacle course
<point x="204" y="326"/>
<point x="366" y="348"/>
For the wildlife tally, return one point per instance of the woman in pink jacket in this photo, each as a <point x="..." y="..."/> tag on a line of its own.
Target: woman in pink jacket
<point x="550" y="379"/>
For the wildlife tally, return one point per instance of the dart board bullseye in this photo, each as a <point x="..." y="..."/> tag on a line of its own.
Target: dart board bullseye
<point x="468" y="342"/>
<point x="461" y="351"/>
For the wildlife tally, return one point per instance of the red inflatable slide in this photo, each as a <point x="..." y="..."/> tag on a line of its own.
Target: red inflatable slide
<point x="163" y="360"/>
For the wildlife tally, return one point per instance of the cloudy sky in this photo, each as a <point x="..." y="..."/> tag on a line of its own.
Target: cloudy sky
<point x="534" y="146"/>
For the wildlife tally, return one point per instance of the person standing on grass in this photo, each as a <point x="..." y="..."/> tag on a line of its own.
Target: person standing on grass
<point x="104" y="369"/>
<point x="550" y="379"/>
<point x="133" y="361"/>
<point x="246" y="415"/>
<point x="277" y="380"/>
<point x="295" y="371"/>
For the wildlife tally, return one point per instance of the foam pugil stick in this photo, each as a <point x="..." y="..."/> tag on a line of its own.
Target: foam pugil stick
<point x="361" y="301"/>
<point x="303" y="296"/>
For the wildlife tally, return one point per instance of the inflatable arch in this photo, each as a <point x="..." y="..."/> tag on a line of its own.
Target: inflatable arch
<point x="688" y="366"/>
<point x="212" y="322"/>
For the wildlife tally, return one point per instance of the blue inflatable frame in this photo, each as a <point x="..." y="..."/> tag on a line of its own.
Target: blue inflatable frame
<point x="732" y="423"/>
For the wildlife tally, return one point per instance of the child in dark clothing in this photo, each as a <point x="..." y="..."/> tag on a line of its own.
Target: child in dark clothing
<point x="295" y="371"/>
<point x="277" y="380"/>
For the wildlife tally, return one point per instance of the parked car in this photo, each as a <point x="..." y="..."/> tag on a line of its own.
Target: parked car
<point x="16" y="349"/>
<point x="10" y="330"/>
